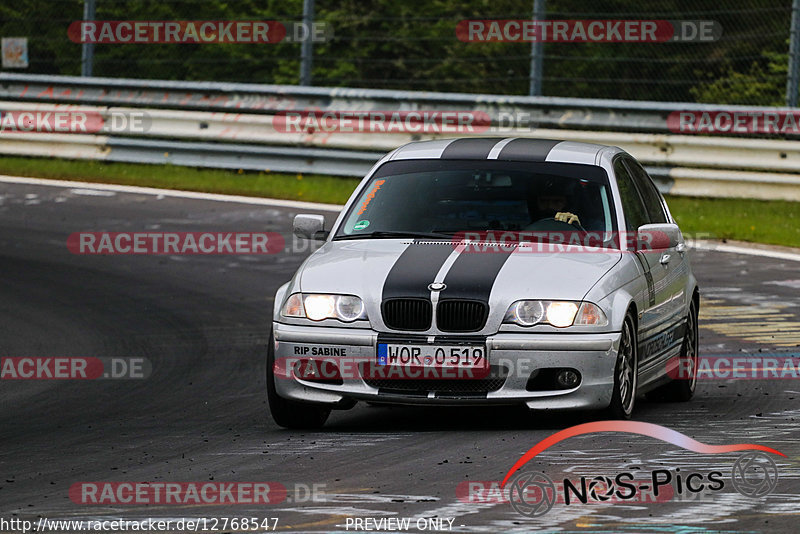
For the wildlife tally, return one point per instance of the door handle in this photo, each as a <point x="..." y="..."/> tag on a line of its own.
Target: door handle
<point x="665" y="259"/>
<point x="680" y="248"/>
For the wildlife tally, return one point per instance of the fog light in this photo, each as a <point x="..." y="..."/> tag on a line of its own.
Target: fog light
<point x="322" y="371"/>
<point x="568" y="378"/>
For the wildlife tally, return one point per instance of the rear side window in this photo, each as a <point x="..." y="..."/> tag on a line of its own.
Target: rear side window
<point x="650" y="195"/>
<point x="635" y="214"/>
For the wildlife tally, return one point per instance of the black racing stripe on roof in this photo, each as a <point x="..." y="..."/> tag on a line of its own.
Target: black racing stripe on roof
<point x="469" y="148"/>
<point x="473" y="274"/>
<point x="415" y="268"/>
<point x="527" y="149"/>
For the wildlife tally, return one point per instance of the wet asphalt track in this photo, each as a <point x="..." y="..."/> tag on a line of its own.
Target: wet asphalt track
<point x="202" y="415"/>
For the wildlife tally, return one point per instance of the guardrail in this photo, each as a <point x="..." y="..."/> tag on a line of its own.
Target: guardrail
<point x="231" y="126"/>
<point x="542" y="111"/>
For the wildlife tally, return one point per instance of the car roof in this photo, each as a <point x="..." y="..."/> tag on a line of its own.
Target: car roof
<point x="508" y="149"/>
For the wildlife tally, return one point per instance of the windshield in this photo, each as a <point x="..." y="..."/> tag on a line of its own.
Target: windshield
<point x="444" y="197"/>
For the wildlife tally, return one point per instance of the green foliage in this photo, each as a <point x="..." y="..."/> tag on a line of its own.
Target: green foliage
<point x="411" y="44"/>
<point x="759" y="85"/>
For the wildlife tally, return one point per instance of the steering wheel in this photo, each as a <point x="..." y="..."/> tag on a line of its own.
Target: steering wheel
<point x="551" y="224"/>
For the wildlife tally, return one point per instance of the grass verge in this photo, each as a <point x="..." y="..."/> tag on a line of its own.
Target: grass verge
<point x="771" y="222"/>
<point x="309" y="187"/>
<point x="774" y="222"/>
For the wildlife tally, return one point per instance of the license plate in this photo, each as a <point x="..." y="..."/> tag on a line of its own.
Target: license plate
<point x="455" y="356"/>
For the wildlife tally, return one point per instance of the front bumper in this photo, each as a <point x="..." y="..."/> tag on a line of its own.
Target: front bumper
<point x="592" y="355"/>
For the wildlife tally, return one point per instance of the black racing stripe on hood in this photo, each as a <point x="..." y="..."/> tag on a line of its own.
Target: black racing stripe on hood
<point x="527" y="149"/>
<point x="469" y="148"/>
<point x="415" y="269"/>
<point x="473" y="274"/>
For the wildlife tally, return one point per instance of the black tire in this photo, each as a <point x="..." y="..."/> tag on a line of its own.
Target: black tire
<point x="289" y="413"/>
<point x="626" y="372"/>
<point x="682" y="389"/>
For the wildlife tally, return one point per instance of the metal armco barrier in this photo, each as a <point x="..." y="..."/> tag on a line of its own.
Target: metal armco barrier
<point x="231" y="126"/>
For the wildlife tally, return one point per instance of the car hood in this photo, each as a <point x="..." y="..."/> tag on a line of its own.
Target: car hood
<point x="380" y="268"/>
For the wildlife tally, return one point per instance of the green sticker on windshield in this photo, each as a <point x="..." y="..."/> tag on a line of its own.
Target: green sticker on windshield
<point x="360" y="225"/>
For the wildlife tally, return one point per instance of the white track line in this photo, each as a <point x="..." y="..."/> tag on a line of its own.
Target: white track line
<point x="171" y="193"/>
<point x="719" y="247"/>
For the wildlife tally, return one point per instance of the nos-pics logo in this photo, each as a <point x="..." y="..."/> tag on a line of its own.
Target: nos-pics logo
<point x="532" y="493"/>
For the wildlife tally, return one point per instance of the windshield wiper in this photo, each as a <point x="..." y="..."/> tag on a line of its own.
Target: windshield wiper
<point x="390" y="234"/>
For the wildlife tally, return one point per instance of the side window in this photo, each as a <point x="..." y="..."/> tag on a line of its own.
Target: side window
<point x="650" y="195"/>
<point x="635" y="214"/>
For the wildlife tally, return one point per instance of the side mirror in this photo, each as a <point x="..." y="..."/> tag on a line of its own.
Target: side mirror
<point x="658" y="236"/>
<point x="310" y="226"/>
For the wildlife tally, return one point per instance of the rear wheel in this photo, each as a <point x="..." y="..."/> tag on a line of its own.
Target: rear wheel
<point x="682" y="389"/>
<point x="626" y="370"/>
<point x="288" y="413"/>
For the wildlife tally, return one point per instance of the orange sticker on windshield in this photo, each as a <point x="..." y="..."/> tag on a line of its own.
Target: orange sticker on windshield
<point x="370" y="196"/>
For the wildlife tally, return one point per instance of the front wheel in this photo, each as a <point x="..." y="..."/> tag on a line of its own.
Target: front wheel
<point x="626" y="373"/>
<point x="682" y="389"/>
<point x="288" y="413"/>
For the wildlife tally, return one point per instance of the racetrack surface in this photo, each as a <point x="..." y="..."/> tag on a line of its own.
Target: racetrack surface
<point x="202" y="322"/>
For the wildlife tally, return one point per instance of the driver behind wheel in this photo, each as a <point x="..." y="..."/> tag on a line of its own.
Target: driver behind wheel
<point x="551" y="200"/>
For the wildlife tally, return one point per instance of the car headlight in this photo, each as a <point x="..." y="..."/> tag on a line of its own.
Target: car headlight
<point x="349" y="308"/>
<point x="561" y="314"/>
<point x="555" y="312"/>
<point x="317" y="307"/>
<point x="525" y="312"/>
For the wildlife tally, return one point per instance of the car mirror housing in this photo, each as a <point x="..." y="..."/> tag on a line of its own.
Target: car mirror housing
<point x="658" y="236"/>
<point x="309" y="226"/>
